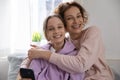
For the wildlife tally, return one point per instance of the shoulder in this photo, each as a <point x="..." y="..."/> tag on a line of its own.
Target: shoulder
<point x="92" y="30"/>
<point x="68" y="47"/>
<point x="68" y="43"/>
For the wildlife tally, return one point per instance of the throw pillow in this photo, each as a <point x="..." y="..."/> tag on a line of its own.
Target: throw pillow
<point x="14" y="64"/>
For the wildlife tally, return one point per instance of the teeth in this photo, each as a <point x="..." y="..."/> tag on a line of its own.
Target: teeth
<point x="57" y="36"/>
<point x="76" y="26"/>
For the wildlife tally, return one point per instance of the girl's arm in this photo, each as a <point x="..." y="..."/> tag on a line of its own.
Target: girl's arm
<point x="25" y="63"/>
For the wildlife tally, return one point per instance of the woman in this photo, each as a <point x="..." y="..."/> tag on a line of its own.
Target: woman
<point x="90" y="58"/>
<point x="54" y="30"/>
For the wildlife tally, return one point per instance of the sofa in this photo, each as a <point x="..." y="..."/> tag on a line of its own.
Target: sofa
<point x="9" y="66"/>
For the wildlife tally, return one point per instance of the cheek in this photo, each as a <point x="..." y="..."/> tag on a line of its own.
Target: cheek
<point x="48" y="36"/>
<point x="64" y="32"/>
<point x="69" y="23"/>
<point x="68" y="29"/>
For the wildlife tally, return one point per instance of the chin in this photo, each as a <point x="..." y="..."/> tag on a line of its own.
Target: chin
<point x="77" y="31"/>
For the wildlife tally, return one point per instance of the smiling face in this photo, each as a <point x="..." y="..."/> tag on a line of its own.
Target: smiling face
<point x="55" y="30"/>
<point x="74" y="20"/>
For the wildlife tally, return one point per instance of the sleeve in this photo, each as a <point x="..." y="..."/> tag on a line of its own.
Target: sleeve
<point x="86" y="57"/>
<point x="35" y="65"/>
<point x="26" y="62"/>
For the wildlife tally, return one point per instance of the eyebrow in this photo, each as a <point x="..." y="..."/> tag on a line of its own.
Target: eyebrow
<point x="57" y="24"/>
<point x="71" y="15"/>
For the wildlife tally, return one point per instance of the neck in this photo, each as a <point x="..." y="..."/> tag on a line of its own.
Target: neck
<point x="75" y="36"/>
<point x="58" y="46"/>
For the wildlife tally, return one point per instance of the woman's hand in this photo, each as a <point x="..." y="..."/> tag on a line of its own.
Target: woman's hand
<point x="34" y="46"/>
<point x="33" y="53"/>
<point x="39" y="53"/>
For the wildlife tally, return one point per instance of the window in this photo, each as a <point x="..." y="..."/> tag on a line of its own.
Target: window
<point x="26" y="17"/>
<point x="39" y="10"/>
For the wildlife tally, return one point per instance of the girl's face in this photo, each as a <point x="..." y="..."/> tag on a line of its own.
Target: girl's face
<point x="74" y="20"/>
<point x="55" y="30"/>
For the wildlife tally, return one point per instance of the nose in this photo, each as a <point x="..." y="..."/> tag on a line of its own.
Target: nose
<point x="56" y="30"/>
<point x="76" y="21"/>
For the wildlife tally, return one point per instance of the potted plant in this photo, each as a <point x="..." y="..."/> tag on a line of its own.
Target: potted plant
<point x="36" y="38"/>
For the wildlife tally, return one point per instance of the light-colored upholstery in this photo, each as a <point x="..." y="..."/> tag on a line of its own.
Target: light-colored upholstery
<point x="3" y="68"/>
<point x="14" y="61"/>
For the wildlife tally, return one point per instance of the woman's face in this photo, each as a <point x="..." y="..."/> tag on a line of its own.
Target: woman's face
<point x="55" y="30"/>
<point x="74" y="20"/>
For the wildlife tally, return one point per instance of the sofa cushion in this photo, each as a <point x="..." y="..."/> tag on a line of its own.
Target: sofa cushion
<point x="14" y="64"/>
<point x="16" y="59"/>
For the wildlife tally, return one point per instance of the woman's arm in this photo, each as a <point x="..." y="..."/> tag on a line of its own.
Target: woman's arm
<point x="39" y="53"/>
<point x="90" y="49"/>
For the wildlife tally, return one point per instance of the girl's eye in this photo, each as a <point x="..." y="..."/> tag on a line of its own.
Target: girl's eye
<point x="50" y="29"/>
<point x="59" y="27"/>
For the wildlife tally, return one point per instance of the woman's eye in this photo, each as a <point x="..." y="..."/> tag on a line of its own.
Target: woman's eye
<point x="69" y="18"/>
<point x="79" y="16"/>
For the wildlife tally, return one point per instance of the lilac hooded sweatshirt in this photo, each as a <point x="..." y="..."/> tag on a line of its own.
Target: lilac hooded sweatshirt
<point x="45" y="70"/>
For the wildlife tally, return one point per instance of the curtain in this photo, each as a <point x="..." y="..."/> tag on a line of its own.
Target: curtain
<point x="19" y="19"/>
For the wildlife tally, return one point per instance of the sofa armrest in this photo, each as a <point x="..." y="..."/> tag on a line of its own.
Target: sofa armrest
<point x="3" y="68"/>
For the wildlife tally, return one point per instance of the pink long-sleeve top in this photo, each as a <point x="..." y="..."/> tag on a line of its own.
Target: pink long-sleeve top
<point x="90" y="58"/>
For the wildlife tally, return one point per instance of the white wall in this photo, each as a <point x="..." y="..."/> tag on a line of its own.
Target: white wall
<point x="106" y="15"/>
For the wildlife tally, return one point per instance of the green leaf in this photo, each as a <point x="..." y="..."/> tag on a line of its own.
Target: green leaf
<point x="36" y="37"/>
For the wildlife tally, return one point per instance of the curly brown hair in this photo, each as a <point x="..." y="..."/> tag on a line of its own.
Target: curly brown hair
<point x="61" y="8"/>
